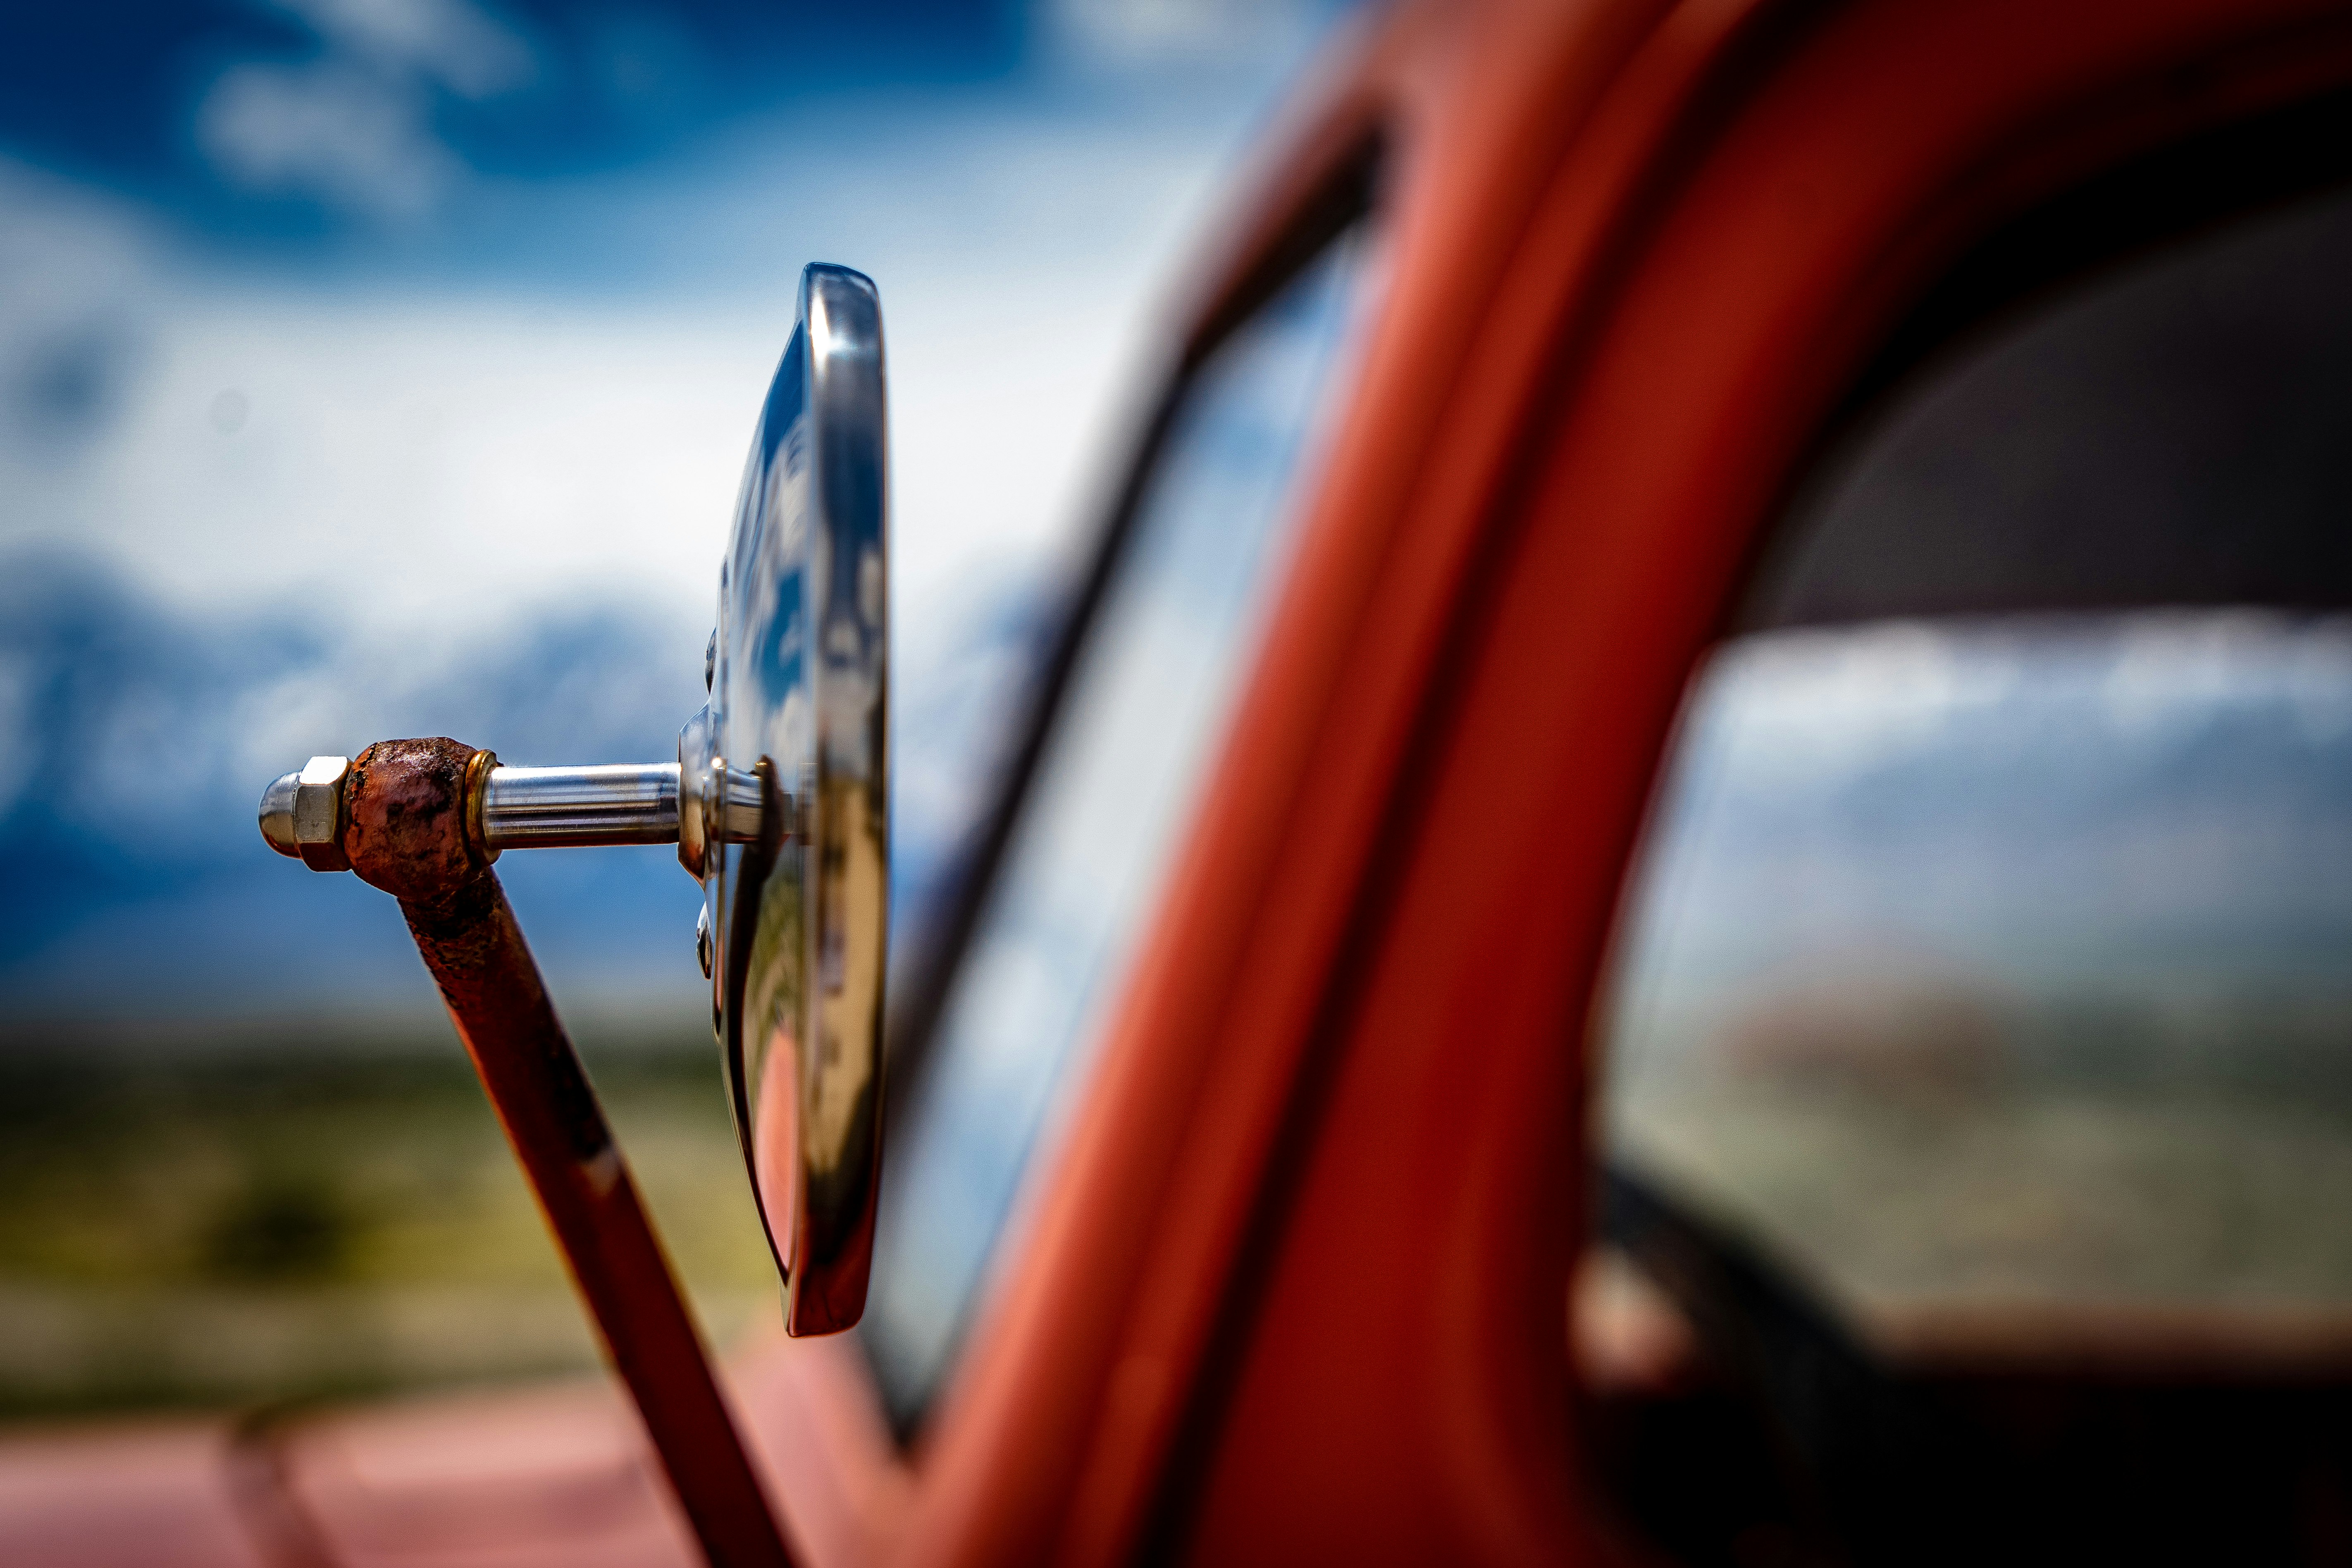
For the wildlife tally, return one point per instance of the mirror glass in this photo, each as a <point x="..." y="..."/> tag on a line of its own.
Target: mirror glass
<point x="785" y="789"/>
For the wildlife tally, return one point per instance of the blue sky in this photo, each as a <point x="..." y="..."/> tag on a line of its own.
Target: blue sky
<point x="373" y="367"/>
<point x="281" y="120"/>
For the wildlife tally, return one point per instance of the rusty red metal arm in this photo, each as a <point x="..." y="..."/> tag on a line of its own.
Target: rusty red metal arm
<point x="405" y="829"/>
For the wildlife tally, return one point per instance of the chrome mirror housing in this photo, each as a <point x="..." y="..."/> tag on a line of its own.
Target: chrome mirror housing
<point x="783" y="797"/>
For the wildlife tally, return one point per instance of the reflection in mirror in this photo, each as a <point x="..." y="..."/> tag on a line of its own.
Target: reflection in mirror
<point x="1119" y="780"/>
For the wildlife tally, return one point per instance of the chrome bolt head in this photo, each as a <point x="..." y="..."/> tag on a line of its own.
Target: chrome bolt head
<point x="302" y="814"/>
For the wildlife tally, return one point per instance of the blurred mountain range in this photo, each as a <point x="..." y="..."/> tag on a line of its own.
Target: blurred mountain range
<point x="135" y="890"/>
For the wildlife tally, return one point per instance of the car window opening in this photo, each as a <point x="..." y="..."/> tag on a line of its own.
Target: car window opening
<point x="1136" y="728"/>
<point x="1977" y="1123"/>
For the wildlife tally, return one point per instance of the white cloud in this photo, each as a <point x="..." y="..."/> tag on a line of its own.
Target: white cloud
<point x="75" y="276"/>
<point x="353" y="127"/>
<point x="1130" y="35"/>
<point x="448" y="42"/>
<point x="1807" y="710"/>
<point x="358" y="141"/>
<point x="421" y="461"/>
<point x="414" y="462"/>
<point x="1799" y="708"/>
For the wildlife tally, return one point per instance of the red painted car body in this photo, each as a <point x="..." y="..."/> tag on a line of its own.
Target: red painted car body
<point x="1292" y="1288"/>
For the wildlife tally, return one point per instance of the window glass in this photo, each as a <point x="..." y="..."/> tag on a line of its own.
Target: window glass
<point x="1140" y="721"/>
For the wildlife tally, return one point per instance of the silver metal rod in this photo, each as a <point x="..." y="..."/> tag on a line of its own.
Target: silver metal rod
<point x="546" y="808"/>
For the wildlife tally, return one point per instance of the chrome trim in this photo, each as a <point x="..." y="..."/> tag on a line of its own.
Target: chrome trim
<point x="277" y="814"/>
<point x="693" y="758"/>
<point x="799" y="914"/>
<point x="540" y="808"/>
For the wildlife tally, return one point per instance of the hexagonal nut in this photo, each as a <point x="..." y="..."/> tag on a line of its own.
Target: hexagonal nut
<point x="302" y="814"/>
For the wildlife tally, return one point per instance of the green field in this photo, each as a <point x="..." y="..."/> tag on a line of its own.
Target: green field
<point x="243" y="1225"/>
<point x="2020" y="1193"/>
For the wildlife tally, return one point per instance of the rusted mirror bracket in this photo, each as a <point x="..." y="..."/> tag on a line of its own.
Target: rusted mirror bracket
<point x="407" y="816"/>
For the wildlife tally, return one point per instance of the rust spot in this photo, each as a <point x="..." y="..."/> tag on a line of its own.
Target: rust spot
<point x="406" y="824"/>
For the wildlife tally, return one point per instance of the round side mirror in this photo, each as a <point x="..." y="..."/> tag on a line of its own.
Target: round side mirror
<point x="784" y="797"/>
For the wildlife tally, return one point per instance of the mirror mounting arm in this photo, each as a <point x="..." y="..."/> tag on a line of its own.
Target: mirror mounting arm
<point x="422" y="820"/>
<point x="537" y="809"/>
